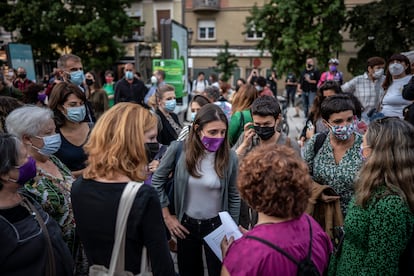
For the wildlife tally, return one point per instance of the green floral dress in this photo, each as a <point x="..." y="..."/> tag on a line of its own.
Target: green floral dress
<point x="53" y="194"/>
<point x="375" y="236"/>
<point x="339" y="176"/>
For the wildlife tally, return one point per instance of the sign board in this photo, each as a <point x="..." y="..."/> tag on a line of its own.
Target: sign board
<point x="20" y="55"/>
<point x="174" y="69"/>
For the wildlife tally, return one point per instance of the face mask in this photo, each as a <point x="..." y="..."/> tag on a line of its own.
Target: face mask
<point x="153" y="80"/>
<point x="170" y="105"/>
<point x="76" y="114"/>
<point x="193" y="115"/>
<point x="396" y="69"/>
<point x="41" y="97"/>
<point x="332" y="68"/>
<point x="361" y="150"/>
<point x="265" y="133"/>
<point x="129" y="75"/>
<point x="378" y="73"/>
<point x="89" y="82"/>
<point x="152" y="150"/>
<point x="343" y="132"/>
<point x="51" y="144"/>
<point x="109" y="79"/>
<point x="259" y="88"/>
<point x="212" y="144"/>
<point x="77" y="77"/>
<point x="22" y="76"/>
<point x="26" y="172"/>
<point x="309" y="66"/>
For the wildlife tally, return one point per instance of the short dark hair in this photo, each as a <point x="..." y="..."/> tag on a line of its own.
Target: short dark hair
<point x="373" y="61"/>
<point x="330" y="85"/>
<point x="201" y="73"/>
<point x="9" y="152"/>
<point x="200" y="99"/>
<point x="335" y="104"/>
<point x="266" y="106"/>
<point x="261" y="81"/>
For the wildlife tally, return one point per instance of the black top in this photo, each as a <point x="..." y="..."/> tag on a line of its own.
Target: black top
<point x="313" y="75"/>
<point x="74" y="157"/>
<point x="126" y="92"/>
<point x="95" y="206"/>
<point x="23" y="247"/>
<point x="167" y="134"/>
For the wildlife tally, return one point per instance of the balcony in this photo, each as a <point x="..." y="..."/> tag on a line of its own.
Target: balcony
<point x="206" y="5"/>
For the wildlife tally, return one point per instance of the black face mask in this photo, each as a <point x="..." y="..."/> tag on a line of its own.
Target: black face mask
<point x="265" y="133"/>
<point x="89" y="82"/>
<point x="22" y="76"/>
<point x="152" y="149"/>
<point x="309" y="66"/>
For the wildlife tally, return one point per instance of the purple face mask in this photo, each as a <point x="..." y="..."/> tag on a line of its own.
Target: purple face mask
<point x="26" y="171"/>
<point x="212" y="144"/>
<point x="332" y="68"/>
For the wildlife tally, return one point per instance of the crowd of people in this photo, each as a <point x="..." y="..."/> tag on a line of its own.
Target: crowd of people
<point x="69" y="148"/>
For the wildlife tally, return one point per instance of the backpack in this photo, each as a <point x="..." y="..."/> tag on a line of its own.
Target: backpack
<point x="306" y="267"/>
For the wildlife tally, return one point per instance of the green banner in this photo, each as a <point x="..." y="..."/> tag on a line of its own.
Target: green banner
<point x="174" y="73"/>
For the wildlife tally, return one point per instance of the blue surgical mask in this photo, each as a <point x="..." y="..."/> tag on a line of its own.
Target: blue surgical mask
<point x="170" y="105"/>
<point x="129" y="75"/>
<point x="77" y="77"/>
<point x="51" y="144"/>
<point x="193" y="115"/>
<point x="76" y="114"/>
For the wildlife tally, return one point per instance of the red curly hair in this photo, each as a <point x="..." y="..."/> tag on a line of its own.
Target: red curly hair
<point x="275" y="181"/>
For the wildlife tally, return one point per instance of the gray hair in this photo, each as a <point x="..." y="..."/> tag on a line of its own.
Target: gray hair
<point x="212" y="92"/>
<point x="28" y="119"/>
<point x="61" y="62"/>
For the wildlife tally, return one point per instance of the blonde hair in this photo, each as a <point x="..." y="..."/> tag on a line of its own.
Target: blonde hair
<point x="116" y="144"/>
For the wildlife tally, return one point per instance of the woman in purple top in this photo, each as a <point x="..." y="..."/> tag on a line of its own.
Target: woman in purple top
<point x="275" y="182"/>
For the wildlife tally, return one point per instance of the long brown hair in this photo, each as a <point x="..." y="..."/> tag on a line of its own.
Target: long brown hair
<point x="244" y="98"/>
<point x="391" y="162"/>
<point x="195" y="150"/>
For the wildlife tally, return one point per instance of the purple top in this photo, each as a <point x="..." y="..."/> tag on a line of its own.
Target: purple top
<point x="250" y="257"/>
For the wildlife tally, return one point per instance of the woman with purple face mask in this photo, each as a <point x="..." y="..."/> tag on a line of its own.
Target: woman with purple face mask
<point x="26" y="248"/>
<point x="204" y="185"/>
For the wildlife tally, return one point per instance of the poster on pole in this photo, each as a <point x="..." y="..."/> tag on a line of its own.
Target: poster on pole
<point x="21" y="55"/>
<point x="174" y="70"/>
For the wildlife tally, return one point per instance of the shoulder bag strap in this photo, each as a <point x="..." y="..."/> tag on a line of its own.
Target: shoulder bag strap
<point x="118" y="252"/>
<point x="310" y="242"/>
<point x="50" y="268"/>
<point x="275" y="247"/>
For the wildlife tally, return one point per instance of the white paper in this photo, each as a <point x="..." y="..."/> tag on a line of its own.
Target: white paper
<point x="228" y="228"/>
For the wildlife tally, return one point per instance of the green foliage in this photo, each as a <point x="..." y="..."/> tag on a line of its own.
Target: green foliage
<point x="380" y="28"/>
<point x="88" y="28"/>
<point x="295" y="30"/>
<point x="226" y="63"/>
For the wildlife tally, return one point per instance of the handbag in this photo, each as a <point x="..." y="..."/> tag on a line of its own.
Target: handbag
<point x="117" y="263"/>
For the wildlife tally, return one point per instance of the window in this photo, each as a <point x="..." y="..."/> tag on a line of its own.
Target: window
<point x="206" y="30"/>
<point x="253" y="34"/>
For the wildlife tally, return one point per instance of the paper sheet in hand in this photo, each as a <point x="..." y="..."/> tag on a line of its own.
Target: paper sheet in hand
<point x="228" y="227"/>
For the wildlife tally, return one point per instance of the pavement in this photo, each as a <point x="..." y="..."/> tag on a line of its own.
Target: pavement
<point x="295" y="124"/>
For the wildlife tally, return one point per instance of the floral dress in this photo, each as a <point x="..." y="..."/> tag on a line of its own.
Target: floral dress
<point x="53" y="194"/>
<point x="339" y="176"/>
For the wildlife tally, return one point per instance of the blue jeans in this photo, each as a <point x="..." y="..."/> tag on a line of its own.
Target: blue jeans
<point x="189" y="250"/>
<point x="308" y="98"/>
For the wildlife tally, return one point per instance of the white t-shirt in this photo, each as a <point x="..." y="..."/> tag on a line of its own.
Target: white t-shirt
<point x="393" y="102"/>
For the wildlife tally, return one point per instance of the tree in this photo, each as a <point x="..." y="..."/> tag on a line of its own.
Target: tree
<point x="295" y="30"/>
<point x="380" y="28"/>
<point x="226" y="62"/>
<point x="88" y="28"/>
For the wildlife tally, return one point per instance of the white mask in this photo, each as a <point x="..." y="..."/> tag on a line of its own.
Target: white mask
<point x="378" y="73"/>
<point x="396" y="69"/>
